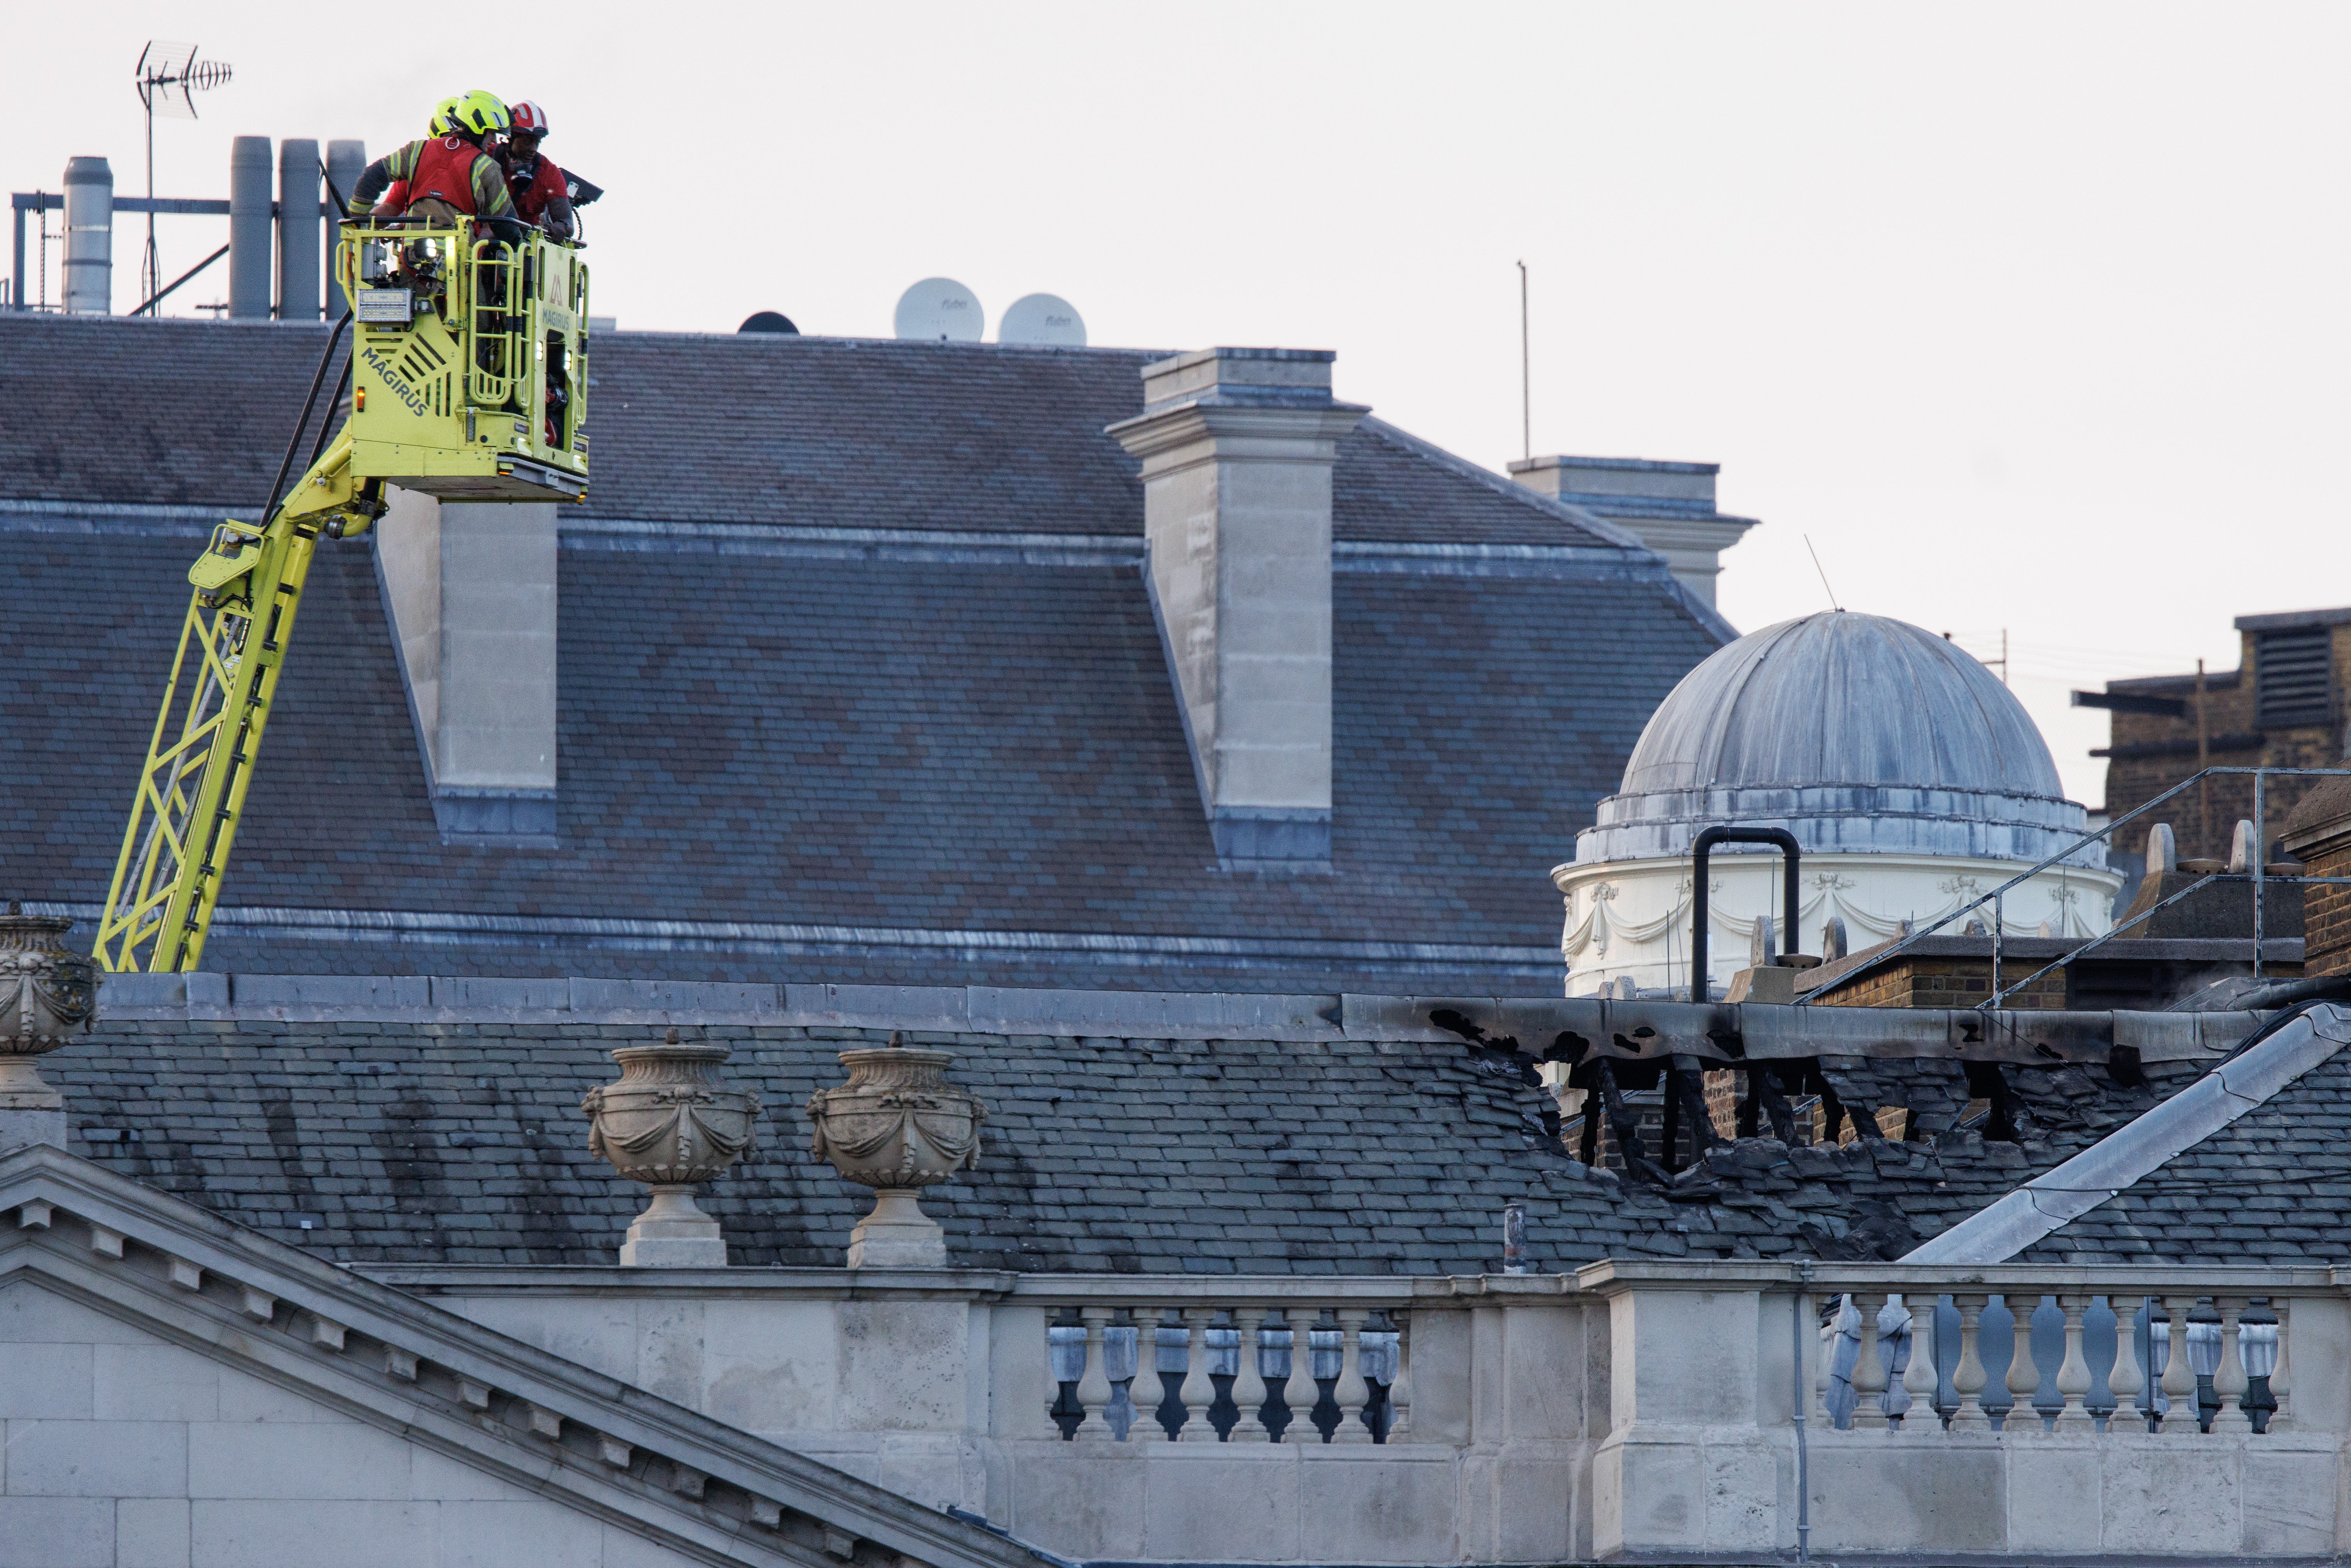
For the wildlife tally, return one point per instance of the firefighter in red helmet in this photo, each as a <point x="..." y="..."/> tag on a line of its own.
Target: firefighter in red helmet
<point x="543" y="194"/>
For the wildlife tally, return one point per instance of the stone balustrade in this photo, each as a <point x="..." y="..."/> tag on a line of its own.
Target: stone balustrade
<point x="1969" y="1350"/>
<point x="1958" y="1409"/>
<point x="1632" y="1409"/>
<point x="1301" y="1364"/>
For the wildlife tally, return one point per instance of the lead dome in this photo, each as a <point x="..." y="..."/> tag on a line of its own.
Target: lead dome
<point x="1911" y="776"/>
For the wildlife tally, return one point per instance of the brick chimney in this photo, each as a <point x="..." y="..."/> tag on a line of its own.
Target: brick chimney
<point x="1237" y="447"/>
<point x="1669" y="504"/>
<point x="470" y="590"/>
<point x="2318" y="833"/>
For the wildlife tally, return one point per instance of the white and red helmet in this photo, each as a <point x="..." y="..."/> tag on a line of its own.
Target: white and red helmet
<point x="529" y="118"/>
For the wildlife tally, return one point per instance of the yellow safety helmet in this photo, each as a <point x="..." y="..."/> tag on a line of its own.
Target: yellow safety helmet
<point x="479" y="113"/>
<point x="444" y="116"/>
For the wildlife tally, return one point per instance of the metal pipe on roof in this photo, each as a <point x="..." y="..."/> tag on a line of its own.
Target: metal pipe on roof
<point x="249" y="261"/>
<point x="298" y="229"/>
<point x="1790" y="851"/>
<point x="89" y="238"/>
<point x="346" y="161"/>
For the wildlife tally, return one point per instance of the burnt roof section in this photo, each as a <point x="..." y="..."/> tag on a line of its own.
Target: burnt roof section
<point x="798" y="760"/>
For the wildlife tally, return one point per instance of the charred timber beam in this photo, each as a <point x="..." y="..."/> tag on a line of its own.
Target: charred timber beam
<point x="1571" y="1030"/>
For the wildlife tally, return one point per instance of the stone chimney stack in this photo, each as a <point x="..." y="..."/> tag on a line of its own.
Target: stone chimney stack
<point x="1670" y="506"/>
<point x="1237" y="447"/>
<point x="470" y="589"/>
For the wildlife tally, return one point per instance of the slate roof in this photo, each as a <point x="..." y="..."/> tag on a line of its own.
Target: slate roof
<point x="464" y="1143"/>
<point x="776" y="750"/>
<point x="717" y="428"/>
<point x="2273" y="1187"/>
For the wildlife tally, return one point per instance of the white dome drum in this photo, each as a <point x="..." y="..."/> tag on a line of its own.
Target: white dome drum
<point x="1912" y="777"/>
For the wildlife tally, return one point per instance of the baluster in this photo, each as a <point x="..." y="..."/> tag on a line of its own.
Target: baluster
<point x="1894" y="1321"/>
<point x="2125" y="1380"/>
<point x="1352" y="1393"/>
<point x="2229" y="1378"/>
<point x="2023" y="1372"/>
<point x="2073" y="1371"/>
<point x="1197" y="1391"/>
<point x="1920" y="1379"/>
<point x="1298" y="1386"/>
<point x="1400" y="1389"/>
<point x="1968" y="1378"/>
<point x="1825" y="1338"/>
<point x="1249" y="1385"/>
<point x="1147" y="1390"/>
<point x="1868" y="1371"/>
<point x="2178" y="1377"/>
<point x="1095" y="1391"/>
<point x="2279" y="1417"/>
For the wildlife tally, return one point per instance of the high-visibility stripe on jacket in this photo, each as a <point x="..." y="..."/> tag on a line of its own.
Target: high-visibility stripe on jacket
<point x="448" y="167"/>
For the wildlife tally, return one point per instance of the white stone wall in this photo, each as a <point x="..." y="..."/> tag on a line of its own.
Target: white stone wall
<point x="944" y="1400"/>
<point x="121" y="1449"/>
<point x="1631" y="919"/>
<point x="885" y="1390"/>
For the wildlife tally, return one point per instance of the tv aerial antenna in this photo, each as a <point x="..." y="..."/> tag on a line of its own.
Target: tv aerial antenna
<point x="169" y="77"/>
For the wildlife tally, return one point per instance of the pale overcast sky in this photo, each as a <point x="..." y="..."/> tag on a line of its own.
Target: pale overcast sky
<point x="2025" y="313"/>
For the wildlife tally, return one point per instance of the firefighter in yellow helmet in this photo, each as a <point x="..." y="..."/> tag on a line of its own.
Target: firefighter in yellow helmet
<point x="455" y="173"/>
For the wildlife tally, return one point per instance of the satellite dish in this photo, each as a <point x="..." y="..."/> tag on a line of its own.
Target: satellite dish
<point x="769" y="321"/>
<point x="940" y="311"/>
<point x="1042" y="319"/>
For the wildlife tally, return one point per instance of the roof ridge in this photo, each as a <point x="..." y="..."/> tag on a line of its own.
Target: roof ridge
<point x="1461" y="467"/>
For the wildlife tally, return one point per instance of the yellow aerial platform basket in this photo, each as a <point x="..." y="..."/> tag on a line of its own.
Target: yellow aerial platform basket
<point x="468" y="381"/>
<point x="469" y="374"/>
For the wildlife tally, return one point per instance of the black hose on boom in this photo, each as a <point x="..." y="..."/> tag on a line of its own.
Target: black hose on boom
<point x="276" y="486"/>
<point x="327" y="425"/>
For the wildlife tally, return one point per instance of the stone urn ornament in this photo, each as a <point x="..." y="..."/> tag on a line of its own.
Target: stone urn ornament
<point x="48" y="997"/>
<point x="897" y="1126"/>
<point x="670" y="1123"/>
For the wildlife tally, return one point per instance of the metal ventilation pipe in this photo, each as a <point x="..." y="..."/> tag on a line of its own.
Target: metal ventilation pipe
<point x="89" y="238"/>
<point x="249" y="261"/>
<point x="298" y="229"/>
<point x="346" y="161"/>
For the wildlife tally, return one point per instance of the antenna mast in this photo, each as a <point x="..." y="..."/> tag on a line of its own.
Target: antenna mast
<point x="169" y="75"/>
<point x="1526" y="375"/>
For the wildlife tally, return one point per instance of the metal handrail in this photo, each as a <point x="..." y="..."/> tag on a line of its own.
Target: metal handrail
<point x="2257" y="876"/>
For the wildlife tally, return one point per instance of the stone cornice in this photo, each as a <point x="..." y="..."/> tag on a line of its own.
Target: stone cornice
<point x="1177" y="435"/>
<point x="978" y="1285"/>
<point x="2320" y="822"/>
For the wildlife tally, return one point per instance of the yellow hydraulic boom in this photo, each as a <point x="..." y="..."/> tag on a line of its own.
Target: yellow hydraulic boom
<point x="468" y="379"/>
